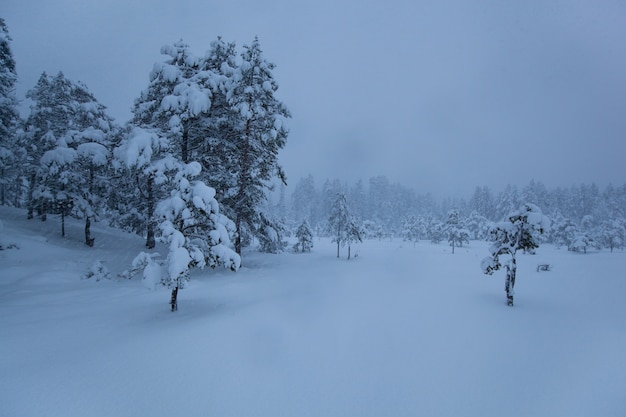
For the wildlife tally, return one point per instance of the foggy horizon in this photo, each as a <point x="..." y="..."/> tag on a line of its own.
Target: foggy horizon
<point x="439" y="98"/>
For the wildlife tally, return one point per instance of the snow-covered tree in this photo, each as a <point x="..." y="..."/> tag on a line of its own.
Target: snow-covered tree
<point x="411" y="229"/>
<point x="342" y="226"/>
<point x="9" y="116"/>
<point x="305" y="238"/>
<point x="436" y="231"/>
<point x="353" y="233"/>
<point x="611" y="234"/>
<point x="271" y="233"/>
<point x="372" y="230"/>
<point x="580" y="242"/>
<point x="562" y="231"/>
<point x="477" y="225"/>
<point x="143" y="155"/>
<point x="455" y="233"/>
<point x="259" y="133"/>
<point x="305" y="200"/>
<point x="194" y="229"/>
<point x="169" y="113"/>
<point x="69" y="140"/>
<point x="521" y="230"/>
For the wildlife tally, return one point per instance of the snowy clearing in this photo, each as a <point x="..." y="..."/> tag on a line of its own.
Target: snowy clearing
<point x="400" y="330"/>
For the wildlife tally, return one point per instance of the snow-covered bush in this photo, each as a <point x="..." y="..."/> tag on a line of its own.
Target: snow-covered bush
<point x="97" y="271"/>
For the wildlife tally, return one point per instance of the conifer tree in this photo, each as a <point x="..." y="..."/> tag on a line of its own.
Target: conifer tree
<point x="171" y="107"/>
<point x="521" y="230"/>
<point x="9" y="116"/>
<point x="305" y="238"/>
<point x="259" y="133"/>
<point x="69" y="136"/>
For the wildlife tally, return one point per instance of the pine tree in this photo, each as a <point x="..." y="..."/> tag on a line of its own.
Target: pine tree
<point x="354" y="233"/>
<point x="305" y="238"/>
<point x="259" y="133"/>
<point x="305" y="200"/>
<point x="271" y="233"/>
<point x="342" y="225"/>
<point x="69" y="136"/>
<point x="196" y="232"/>
<point x="172" y="107"/>
<point x="9" y="116"/>
<point x="521" y="230"/>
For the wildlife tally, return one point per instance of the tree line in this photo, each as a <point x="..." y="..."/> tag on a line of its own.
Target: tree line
<point x="192" y="166"/>
<point x="582" y="216"/>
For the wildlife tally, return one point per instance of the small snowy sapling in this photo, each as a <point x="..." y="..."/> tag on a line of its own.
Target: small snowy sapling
<point x="521" y="230"/>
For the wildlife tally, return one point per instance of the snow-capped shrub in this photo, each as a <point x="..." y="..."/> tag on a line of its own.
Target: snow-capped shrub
<point x="97" y="271"/>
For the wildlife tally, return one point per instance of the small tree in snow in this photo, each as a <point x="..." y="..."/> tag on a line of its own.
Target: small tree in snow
<point x="339" y="216"/>
<point x="520" y="231"/>
<point x="305" y="238"/>
<point x="411" y="229"/>
<point x="581" y="242"/>
<point x="435" y="231"/>
<point x="196" y="232"/>
<point x="353" y="233"/>
<point x="270" y="234"/>
<point x="611" y="235"/>
<point x="456" y="234"/>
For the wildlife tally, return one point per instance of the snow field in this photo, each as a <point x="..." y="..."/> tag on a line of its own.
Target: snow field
<point x="401" y="330"/>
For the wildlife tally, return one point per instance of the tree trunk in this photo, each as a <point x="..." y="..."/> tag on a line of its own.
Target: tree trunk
<point x="174" y="299"/>
<point x="453" y="246"/>
<point x="348" y="251"/>
<point x="88" y="239"/>
<point x="243" y="185"/>
<point x="30" y="200"/>
<point x="3" y="188"/>
<point x="62" y="220"/>
<point x="337" y="248"/>
<point x="150" y="240"/>
<point x="185" y="143"/>
<point x="510" y="282"/>
<point x="238" y="235"/>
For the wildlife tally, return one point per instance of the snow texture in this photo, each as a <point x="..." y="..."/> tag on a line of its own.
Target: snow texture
<point x="399" y="331"/>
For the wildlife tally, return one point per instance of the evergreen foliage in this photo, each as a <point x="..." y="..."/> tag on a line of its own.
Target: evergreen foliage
<point x="9" y="118"/>
<point x="305" y="238"/>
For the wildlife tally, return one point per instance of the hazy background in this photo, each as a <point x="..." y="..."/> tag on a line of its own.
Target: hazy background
<point x="440" y="96"/>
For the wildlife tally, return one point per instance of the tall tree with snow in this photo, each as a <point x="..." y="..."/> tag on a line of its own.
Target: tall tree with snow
<point x="520" y="231"/>
<point x="168" y="113"/>
<point x="9" y="115"/>
<point x="342" y="225"/>
<point x="70" y="135"/>
<point x="260" y="132"/>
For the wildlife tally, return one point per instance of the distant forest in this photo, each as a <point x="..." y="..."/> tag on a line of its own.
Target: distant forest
<point x="390" y="209"/>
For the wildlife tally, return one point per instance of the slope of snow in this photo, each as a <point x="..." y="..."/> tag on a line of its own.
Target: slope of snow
<point x="401" y="330"/>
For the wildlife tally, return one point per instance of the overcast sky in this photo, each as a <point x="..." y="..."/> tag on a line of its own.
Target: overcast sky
<point x="440" y="96"/>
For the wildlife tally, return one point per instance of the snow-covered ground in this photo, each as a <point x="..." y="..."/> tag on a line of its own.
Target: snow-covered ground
<point x="401" y="330"/>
